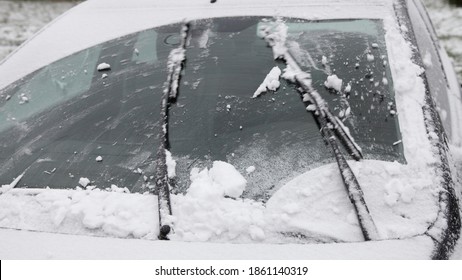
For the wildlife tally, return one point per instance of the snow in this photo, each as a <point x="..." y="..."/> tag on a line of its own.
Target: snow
<point x="271" y="82"/>
<point x="321" y="211"/>
<point x="370" y="57"/>
<point x="171" y="164"/>
<point x="333" y="82"/>
<point x="23" y="98"/>
<point x="90" y="211"/>
<point x="84" y="182"/>
<point x="39" y="245"/>
<point x="311" y="108"/>
<point x="348" y="88"/>
<point x="226" y="177"/>
<point x="20" y="20"/>
<point x="174" y="63"/>
<point x="427" y="59"/>
<point x="447" y="20"/>
<point x="275" y="34"/>
<point x="250" y="169"/>
<point x="103" y="66"/>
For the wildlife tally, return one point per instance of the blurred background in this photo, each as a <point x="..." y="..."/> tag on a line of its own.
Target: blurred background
<point x="19" y="20"/>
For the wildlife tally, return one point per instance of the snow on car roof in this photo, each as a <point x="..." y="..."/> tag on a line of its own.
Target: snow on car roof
<point x="93" y="22"/>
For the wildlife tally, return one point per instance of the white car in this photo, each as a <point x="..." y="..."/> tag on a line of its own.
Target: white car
<point x="298" y="129"/>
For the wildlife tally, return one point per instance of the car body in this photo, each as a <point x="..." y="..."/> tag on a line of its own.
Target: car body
<point x="123" y="124"/>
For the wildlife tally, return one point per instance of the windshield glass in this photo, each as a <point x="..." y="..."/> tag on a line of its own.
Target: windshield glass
<point x="70" y="120"/>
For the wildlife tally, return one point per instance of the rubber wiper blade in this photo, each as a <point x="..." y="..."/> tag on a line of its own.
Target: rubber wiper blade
<point x="163" y="183"/>
<point x="331" y="129"/>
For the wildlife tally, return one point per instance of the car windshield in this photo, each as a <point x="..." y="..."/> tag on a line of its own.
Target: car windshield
<point x="76" y="118"/>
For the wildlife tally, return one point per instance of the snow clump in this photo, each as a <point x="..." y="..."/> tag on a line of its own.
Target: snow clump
<point x="103" y="66"/>
<point x="271" y="82"/>
<point x="333" y="82"/>
<point x="84" y="181"/>
<point x="348" y="88"/>
<point x="250" y="169"/>
<point x="221" y="180"/>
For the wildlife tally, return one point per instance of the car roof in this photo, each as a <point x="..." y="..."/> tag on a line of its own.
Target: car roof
<point x="96" y="21"/>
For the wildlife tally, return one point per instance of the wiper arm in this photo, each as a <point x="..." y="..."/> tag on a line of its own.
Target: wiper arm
<point x="176" y="60"/>
<point x="330" y="128"/>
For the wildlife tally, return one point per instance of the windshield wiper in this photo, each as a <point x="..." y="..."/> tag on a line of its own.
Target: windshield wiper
<point x="163" y="183"/>
<point x="331" y="130"/>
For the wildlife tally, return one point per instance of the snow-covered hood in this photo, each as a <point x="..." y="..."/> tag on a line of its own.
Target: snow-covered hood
<point x="96" y="21"/>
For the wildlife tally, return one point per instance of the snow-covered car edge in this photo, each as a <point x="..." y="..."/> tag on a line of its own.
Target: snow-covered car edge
<point x="445" y="232"/>
<point x="22" y="244"/>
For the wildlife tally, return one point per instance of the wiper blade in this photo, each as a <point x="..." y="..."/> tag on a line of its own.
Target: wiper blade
<point x="303" y="79"/>
<point x="163" y="183"/>
<point x="175" y="63"/>
<point x="331" y="129"/>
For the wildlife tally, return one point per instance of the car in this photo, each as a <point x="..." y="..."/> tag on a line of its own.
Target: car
<point x="233" y="124"/>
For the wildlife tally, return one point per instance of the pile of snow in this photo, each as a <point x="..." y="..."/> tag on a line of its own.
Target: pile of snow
<point x="271" y="82"/>
<point x="402" y="202"/>
<point x="221" y="180"/>
<point x="81" y="211"/>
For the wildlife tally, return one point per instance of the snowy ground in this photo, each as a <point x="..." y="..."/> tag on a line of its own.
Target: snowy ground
<point x="448" y="21"/>
<point x="19" y="20"/>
